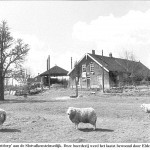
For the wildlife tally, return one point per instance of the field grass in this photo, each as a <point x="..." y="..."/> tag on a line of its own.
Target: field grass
<point x="43" y="118"/>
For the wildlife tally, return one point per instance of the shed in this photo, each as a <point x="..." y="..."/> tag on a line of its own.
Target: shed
<point x="57" y="75"/>
<point x="55" y="71"/>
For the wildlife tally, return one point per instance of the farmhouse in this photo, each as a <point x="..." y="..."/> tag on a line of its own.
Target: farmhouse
<point x="91" y="69"/>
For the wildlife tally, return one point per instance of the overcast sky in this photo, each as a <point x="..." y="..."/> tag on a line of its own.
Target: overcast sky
<point x="65" y="29"/>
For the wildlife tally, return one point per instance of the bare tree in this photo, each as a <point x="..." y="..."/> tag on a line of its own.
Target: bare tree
<point x="21" y="76"/>
<point x="12" y="54"/>
<point x="132" y="67"/>
<point x="77" y="76"/>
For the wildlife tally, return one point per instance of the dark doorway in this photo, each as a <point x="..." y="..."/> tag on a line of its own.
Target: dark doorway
<point x="88" y="82"/>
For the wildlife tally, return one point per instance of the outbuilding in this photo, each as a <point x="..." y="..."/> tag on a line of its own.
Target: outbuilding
<point x="56" y="74"/>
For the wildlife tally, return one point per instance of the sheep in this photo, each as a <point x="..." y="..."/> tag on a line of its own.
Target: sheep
<point x="146" y="107"/>
<point x="2" y="117"/>
<point x="85" y="115"/>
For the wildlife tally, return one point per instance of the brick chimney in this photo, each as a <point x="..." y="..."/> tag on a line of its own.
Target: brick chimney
<point x="110" y="55"/>
<point x="93" y="52"/>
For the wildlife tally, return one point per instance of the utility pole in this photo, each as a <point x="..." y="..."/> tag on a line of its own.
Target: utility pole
<point x="48" y="70"/>
<point x="47" y="64"/>
<point x="102" y="72"/>
<point x="71" y="62"/>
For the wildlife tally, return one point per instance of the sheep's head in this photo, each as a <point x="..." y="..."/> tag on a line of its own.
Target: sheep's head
<point x="70" y="110"/>
<point x="143" y="106"/>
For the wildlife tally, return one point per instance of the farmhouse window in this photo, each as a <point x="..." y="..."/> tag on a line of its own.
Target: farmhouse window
<point x="88" y="76"/>
<point x="84" y="68"/>
<point x="83" y="79"/>
<point x="91" y="67"/>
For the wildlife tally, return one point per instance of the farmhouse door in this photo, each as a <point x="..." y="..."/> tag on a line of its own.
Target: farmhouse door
<point x="99" y="81"/>
<point x="88" y="82"/>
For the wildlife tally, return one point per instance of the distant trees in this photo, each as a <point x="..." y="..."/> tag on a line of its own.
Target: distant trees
<point x="12" y="54"/>
<point x="129" y="63"/>
<point x="134" y="69"/>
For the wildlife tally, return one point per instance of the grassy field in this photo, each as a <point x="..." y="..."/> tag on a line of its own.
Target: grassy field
<point x="43" y="118"/>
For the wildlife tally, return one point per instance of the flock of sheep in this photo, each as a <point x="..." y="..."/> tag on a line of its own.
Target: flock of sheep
<point x="88" y="115"/>
<point x="77" y="115"/>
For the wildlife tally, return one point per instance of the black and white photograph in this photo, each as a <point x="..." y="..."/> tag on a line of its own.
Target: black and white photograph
<point x="75" y="74"/>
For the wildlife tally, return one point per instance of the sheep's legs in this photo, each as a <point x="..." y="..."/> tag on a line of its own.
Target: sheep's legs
<point x="94" y="127"/>
<point x="76" y="126"/>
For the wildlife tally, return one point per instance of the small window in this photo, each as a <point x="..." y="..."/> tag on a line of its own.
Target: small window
<point x="91" y="67"/>
<point x="88" y="77"/>
<point x="84" y="68"/>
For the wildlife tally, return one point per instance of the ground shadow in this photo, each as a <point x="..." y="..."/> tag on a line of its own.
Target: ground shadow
<point x="97" y="130"/>
<point x="11" y="101"/>
<point x="22" y="101"/>
<point x="10" y="130"/>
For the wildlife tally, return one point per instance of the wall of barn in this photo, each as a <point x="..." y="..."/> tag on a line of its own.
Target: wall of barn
<point x="92" y="79"/>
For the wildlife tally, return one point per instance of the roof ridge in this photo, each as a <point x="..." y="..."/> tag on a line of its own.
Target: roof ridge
<point x="119" y="61"/>
<point x="115" y="58"/>
<point x="101" y="58"/>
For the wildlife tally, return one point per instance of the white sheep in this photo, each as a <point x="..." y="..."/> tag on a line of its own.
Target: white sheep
<point x="85" y="115"/>
<point x="146" y="107"/>
<point x="2" y="117"/>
